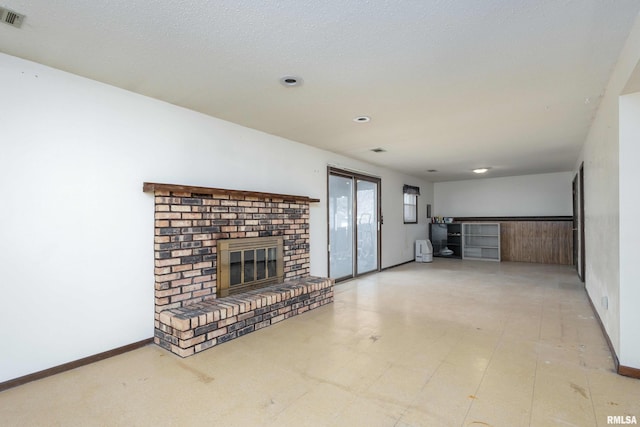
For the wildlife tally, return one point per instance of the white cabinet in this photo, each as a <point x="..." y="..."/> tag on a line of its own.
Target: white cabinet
<point x="481" y="241"/>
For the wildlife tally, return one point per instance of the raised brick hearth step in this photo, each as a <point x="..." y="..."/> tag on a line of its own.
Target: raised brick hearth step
<point x="193" y="328"/>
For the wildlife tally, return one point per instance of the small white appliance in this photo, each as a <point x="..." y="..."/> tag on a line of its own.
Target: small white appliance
<point x="424" y="251"/>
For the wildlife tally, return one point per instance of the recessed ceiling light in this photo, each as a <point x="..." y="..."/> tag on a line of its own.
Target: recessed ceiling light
<point x="362" y="119"/>
<point x="481" y="170"/>
<point x="378" y="150"/>
<point x="290" y="81"/>
<point x="432" y="170"/>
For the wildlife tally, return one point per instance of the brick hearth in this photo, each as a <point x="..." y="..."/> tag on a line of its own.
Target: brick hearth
<point x="197" y="327"/>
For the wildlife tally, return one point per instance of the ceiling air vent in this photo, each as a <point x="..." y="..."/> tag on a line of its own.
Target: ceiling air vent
<point x="10" y="17"/>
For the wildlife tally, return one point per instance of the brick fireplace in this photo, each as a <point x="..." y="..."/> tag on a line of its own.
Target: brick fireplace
<point x="191" y="314"/>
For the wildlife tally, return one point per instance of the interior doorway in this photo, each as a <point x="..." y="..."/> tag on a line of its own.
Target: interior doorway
<point x="578" y="223"/>
<point x="354" y="223"/>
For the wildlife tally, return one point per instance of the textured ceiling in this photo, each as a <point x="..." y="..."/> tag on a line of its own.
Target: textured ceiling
<point x="449" y="85"/>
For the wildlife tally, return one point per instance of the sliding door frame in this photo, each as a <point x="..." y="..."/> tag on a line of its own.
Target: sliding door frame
<point x="355" y="176"/>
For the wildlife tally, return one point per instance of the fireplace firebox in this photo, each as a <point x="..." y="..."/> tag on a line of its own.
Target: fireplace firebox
<point x="249" y="263"/>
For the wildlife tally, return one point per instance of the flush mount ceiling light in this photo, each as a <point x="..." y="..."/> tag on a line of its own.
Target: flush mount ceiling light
<point x="290" y="81"/>
<point x="481" y="170"/>
<point x="378" y="150"/>
<point x="362" y="119"/>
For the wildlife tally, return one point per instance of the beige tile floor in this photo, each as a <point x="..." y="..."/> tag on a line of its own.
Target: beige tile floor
<point x="452" y="343"/>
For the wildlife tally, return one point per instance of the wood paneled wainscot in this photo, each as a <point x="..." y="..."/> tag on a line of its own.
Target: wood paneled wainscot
<point x="546" y="240"/>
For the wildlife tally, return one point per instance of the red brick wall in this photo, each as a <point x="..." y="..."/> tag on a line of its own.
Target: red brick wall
<point x="188" y="225"/>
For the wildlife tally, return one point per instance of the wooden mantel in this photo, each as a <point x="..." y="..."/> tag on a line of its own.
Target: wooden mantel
<point x="153" y="186"/>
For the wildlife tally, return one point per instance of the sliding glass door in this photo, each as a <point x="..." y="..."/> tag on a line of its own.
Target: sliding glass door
<point x="366" y="226"/>
<point x="354" y="227"/>
<point x="340" y="227"/>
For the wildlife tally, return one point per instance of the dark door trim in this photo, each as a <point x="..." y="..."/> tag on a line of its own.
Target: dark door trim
<point x="355" y="176"/>
<point x="578" y="223"/>
<point x="574" y="232"/>
<point x="582" y="237"/>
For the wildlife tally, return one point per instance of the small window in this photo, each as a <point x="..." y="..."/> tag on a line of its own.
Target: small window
<point x="410" y="204"/>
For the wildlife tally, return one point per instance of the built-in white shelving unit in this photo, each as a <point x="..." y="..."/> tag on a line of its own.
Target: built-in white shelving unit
<point x="481" y="241"/>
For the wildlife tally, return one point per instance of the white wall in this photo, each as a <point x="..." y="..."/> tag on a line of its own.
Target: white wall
<point x="630" y="235"/>
<point x="393" y="214"/>
<point x="602" y="154"/>
<point x="528" y="195"/>
<point x="76" y="242"/>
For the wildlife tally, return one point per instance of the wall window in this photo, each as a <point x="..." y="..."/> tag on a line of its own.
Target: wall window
<point x="411" y="194"/>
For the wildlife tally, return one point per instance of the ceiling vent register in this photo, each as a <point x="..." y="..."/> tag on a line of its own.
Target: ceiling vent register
<point x="11" y="18"/>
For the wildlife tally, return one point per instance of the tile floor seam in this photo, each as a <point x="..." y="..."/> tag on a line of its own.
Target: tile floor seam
<point x="415" y="399"/>
<point x="535" y="371"/>
<point x="484" y="373"/>
<point x="430" y="376"/>
<point x="593" y="406"/>
<point x="371" y="396"/>
<point x="274" y="418"/>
